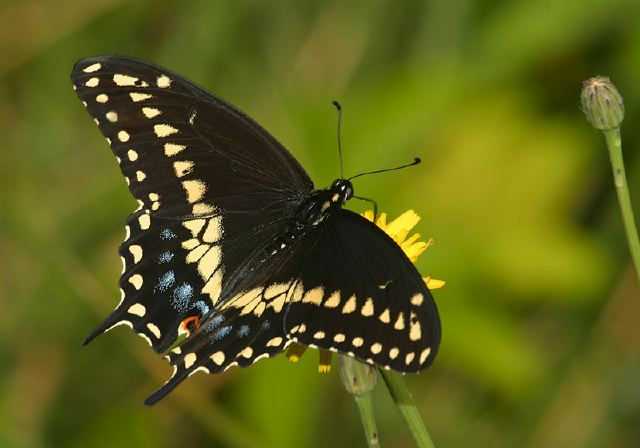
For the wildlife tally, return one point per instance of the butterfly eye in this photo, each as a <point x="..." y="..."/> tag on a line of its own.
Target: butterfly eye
<point x="348" y="192"/>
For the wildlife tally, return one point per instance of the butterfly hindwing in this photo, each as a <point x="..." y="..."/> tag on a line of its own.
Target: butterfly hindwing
<point x="362" y="296"/>
<point x="246" y="328"/>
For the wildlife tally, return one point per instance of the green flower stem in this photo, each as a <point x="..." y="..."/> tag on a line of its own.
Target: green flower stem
<point x="365" y="406"/>
<point x="614" y="144"/>
<point x="402" y="398"/>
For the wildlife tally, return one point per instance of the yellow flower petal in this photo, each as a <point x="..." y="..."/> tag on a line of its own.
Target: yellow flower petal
<point x="399" y="228"/>
<point x="368" y="215"/>
<point x="432" y="283"/>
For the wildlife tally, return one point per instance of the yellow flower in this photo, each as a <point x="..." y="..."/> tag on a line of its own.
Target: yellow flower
<point x="399" y="230"/>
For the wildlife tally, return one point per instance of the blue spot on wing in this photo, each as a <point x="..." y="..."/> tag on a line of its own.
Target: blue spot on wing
<point x="265" y="325"/>
<point x="165" y="257"/>
<point x="167" y="234"/>
<point x="244" y="331"/>
<point x="203" y="307"/>
<point x="221" y="333"/>
<point x="212" y="323"/>
<point x="165" y="282"/>
<point x="181" y="297"/>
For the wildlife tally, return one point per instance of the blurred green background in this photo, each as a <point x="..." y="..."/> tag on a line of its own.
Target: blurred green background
<point x="541" y="340"/>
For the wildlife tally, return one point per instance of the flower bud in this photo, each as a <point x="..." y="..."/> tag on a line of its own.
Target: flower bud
<point x="357" y="377"/>
<point x="601" y="103"/>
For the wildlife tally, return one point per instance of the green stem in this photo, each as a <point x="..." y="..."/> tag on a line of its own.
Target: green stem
<point x="612" y="137"/>
<point x="365" y="406"/>
<point x="402" y="398"/>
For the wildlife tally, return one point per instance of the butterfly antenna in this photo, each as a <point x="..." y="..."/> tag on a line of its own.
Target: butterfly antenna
<point x="415" y="162"/>
<point x="339" y="109"/>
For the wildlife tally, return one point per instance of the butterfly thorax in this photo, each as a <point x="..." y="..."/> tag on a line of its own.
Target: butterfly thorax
<point x="322" y="203"/>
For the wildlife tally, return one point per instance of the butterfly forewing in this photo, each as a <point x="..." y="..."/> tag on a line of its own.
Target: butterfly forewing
<point x="183" y="151"/>
<point x="247" y="327"/>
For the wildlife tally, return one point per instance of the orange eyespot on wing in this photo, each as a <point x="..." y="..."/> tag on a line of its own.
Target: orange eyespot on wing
<point x="190" y="325"/>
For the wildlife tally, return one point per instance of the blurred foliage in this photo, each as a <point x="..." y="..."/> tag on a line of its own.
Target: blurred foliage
<point x="541" y="346"/>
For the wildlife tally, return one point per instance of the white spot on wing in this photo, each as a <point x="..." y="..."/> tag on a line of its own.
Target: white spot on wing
<point x="92" y="82"/>
<point x="145" y="221"/>
<point x="136" y="251"/>
<point x="275" y="342"/>
<point x="350" y="306"/>
<point x="195" y="190"/>
<point x="153" y="328"/>
<point x="333" y="301"/>
<point x="136" y="281"/>
<point x="171" y="149"/>
<point x="102" y="98"/>
<point x="209" y="262"/>
<point x="415" y="332"/>
<point x="127" y="81"/>
<point x="218" y="358"/>
<point x="182" y="167"/>
<point x="112" y="116"/>
<point x="214" y="286"/>
<point x="163" y="81"/>
<point x="136" y="97"/>
<point x="367" y="308"/>
<point x="417" y="299"/>
<point x="150" y="112"/>
<point x="314" y="296"/>
<point x="137" y="309"/>
<point x="92" y="68"/>
<point x="164" y="130"/>
<point x="424" y="355"/>
<point x="123" y="136"/>
<point x="399" y="325"/>
<point x="189" y="359"/>
<point x="194" y="226"/>
<point x="132" y="155"/>
<point x="247" y="352"/>
<point x="213" y="231"/>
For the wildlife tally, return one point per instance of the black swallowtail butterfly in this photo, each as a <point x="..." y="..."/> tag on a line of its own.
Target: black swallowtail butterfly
<point x="232" y="246"/>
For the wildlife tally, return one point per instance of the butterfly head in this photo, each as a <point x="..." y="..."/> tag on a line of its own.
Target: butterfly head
<point x="321" y="203"/>
<point x="341" y="191"/>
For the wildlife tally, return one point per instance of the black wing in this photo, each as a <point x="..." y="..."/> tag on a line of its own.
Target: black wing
<point x="247" y="327"/>
<point x="362" y="296"/>
<point x="183" y="151"/>
<point x="346" y="287"/>
<point x="214" y="189"/>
